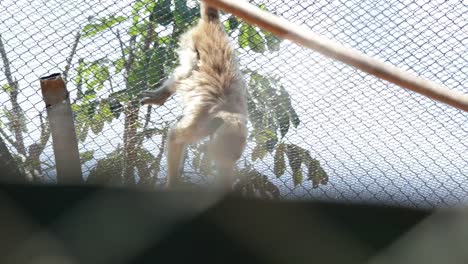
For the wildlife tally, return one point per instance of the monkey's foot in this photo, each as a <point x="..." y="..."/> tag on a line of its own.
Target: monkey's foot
<point x="158" y="97"/>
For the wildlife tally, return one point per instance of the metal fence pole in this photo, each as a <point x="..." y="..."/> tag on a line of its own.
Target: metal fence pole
<point x="64" y="138"/>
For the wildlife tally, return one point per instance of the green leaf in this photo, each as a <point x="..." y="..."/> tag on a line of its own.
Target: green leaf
<point x="266" y="136"/>
<point x="295" y="158"/>
<point x="294" y="117"/>
<point x="256" y="41"/>
<point x="7" y="88"/>
<point x="81" y="113"/>
<point x="279" y="161"/>
<point x="231" y="24"/>
<point x="256" y="118"/>
<point x="297" y="177"/>
<point x="184" y="16"/>
<point x="119" y="65"/>
<point x="259" y="152"/>
<point x="316" y="173"/>
<point x="323" y="176"/>
<point x="83" y="132"/>
<point x="271" y="144"/>
<point x="283" y="119"/>
<point x="292" y="112"/>
<point x="103" y="24"/>
<point x="139" y="5"/>
<point x="101" y="173"/>
<point x="272" y="41"/>
<point x="97" y="125"/>
<point x="115" y="107"/>
<point x="80" y="71"/>
<point x="162" y="11"/>
<point x="91" y="109"/>
<point x="262" y="7"/>
<point x="244" y="37"/>
<point x="135" y="30"/>
<point x="106" y="111"/>
<point x="312" y="169"/>
<point x="155" y="69"/>
<point x="86" y="156"/>
<point x="93" y="75"/>
<point x="166" y="40"/>
<point x="99" y="74"/>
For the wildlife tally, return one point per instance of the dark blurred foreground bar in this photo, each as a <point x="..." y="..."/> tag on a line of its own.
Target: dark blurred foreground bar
<point x="70" y="224"/>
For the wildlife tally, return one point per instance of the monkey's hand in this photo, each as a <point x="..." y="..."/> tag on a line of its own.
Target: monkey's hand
<point x="158" y="97"/>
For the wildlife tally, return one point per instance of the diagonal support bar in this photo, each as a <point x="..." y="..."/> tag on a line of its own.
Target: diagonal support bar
<point x="303" y="36"/>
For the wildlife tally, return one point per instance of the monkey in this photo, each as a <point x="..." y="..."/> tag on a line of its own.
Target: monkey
<point x="214" y="99"/>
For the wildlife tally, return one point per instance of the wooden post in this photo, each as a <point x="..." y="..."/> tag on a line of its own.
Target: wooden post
<point x="303" y="36"/>
<point x="65" y="143"/>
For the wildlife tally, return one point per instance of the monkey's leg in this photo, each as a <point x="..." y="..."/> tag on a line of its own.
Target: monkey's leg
<point x="187" y="130"/>
<point x="175" y="155"/>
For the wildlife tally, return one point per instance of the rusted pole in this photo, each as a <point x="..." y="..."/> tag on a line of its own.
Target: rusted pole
<point x="59" y="113"/>
<point x="303" y="36"/>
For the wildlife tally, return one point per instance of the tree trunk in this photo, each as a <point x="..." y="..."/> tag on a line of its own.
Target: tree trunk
<point x="8" y="166"/>
<point x="130" y="142"/>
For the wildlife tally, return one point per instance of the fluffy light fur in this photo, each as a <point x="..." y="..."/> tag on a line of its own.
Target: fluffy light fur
<point x="214" y="98"/>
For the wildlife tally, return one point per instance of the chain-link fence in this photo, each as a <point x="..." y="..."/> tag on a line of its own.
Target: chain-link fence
<point x="319" y="129"/>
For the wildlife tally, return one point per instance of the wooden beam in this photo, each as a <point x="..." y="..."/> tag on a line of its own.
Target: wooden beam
<point x="303" y="36"/>
<point x="64" y="138"/>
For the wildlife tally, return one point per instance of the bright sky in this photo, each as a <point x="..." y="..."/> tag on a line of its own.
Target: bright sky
<point x="376" y="141"/>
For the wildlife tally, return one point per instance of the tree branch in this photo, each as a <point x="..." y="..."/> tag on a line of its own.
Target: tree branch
<point x="131" y="55"/>
<point x="145" y="126"/>
<point x="6" y="64"/>
<point x="45" y="134"/>
<point x="79" y="85"/>
<point x="128" y="62"/>
<point x="7" y="138"/>
<point x="148" y="51"/>
<point x="149" y="37"/>
<point x="110" y="83"/>
<point x="17" y="111"/>
<point x="122" y="49"/>
<point x="70" y="58"/>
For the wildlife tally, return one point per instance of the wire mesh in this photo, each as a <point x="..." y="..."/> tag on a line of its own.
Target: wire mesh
<point x="375" y="142"/>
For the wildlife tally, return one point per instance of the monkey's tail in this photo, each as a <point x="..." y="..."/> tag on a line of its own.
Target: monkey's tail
<point x="208" y="14"/>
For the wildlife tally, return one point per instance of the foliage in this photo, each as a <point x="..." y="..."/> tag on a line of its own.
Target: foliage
<point x="101" y="25"/>
<point x="15" y="119"/>
<point x="26" y="157"/>
<point x="147" y="57"/>
<point x="100" y="174"/>
<point x="256" y="184"/>
<point x="272" y="116"/>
